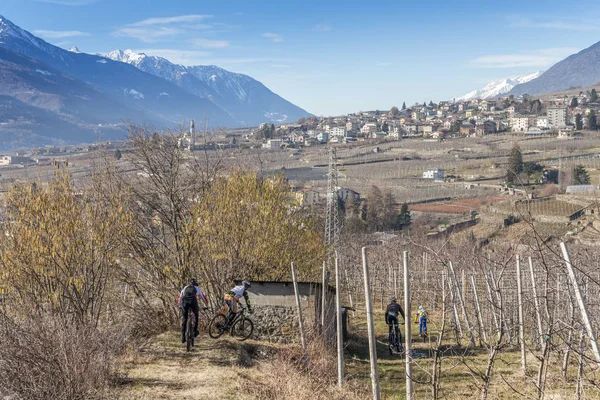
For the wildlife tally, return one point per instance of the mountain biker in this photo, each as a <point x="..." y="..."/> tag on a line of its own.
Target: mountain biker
<point x="233" y="296"/>
<point x="391" y="317"/>
<point x="188" y="300"/>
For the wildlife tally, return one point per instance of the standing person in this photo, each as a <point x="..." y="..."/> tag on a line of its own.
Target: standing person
<point x="233" y="296"/>
<point x="391" y="317"/>
<point x="188" y="301"/>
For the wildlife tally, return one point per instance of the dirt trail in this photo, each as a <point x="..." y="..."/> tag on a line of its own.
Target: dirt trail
<point x="162" y="369"/>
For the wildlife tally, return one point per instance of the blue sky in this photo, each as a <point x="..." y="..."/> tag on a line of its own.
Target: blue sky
<point x="330" y="57"/>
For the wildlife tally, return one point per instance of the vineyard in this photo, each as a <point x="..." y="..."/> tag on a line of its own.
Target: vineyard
<point x="503" y="323"/>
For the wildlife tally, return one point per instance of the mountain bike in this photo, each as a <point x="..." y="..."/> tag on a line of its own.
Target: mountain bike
<point x="190" y="329"/>
<point x="240" y="327"/>
<point x="395" y="341"/>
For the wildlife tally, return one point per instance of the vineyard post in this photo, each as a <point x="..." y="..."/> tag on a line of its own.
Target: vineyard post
<point x="324" y="296"/>
<point x="521" y="322"/>
<point x="371" y="329"/>
<point x="582" y="307"/>
<point x="482" y="334"/>
<point x="536" y="304"/>
<point x="340" y="336"/>
<point x="300" y="321"/>
<point x="407" y="329"/>
<point x="349" y="291"/>
<point x="463" y="307"/>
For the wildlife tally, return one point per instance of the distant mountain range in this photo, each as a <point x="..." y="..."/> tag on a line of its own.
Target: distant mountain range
<point x="247" y="100"/>
<point x="49" y="95"/>
<point x="498" y="88"/>
<point x="578" y="70"/>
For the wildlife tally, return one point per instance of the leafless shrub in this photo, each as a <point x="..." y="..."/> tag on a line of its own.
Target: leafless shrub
<point x="45" y="358"/>
<point x="287" y="377"/>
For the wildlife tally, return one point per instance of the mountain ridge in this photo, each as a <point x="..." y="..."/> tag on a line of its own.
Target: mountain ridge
<point x="247" y="100"/>
<point x="577" y="70"/>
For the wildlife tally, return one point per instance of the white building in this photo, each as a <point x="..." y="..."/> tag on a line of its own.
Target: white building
<point x="337" y="131"/>
<point x="368" y="129"/>
<point x="12" y="160"/>
<point x="519" y="123"/>
<point x="557" y="117"/>
<point x="274" y="144"/>
<point x="435" y="174"/>
<point x="542" y="123"/>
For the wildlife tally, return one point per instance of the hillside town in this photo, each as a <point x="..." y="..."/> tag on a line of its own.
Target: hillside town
<point x="560" y="115"/>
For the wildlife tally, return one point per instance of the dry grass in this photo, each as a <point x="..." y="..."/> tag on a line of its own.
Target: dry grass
<point x="227" y="369"/>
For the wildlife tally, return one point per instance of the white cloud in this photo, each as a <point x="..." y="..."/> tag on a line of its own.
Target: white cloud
<point x="183" y="57"/>
<point x="171" y="20"/>
<point x="209" y="44"/>
<point x="59" y="34"/>
<point x="535" y="59"/>
<point x="275" y="37"/>
<point x="147" y="35"/>
<point x="68" y="2"/>
<point x="323" y="28"/>
<point x="558" y="24"/>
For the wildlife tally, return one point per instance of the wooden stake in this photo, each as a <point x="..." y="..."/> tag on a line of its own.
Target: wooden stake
<point x="349" y="291"/>
<point x="478" y="308"/>
<point x="300" y="321"/>
<point x="536" y="304"/>
<point x="462" y="305"/>
<point x="340" y="336"/>
<point x="407" y="329"/>
<point x="324" y="296"/>
<point x="371" y="329"/>
<point x="582" y="307"/>
<point x="521" y="322"/>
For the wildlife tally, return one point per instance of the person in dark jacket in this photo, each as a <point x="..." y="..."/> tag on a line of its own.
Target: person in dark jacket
<point x="391" y="317"/>
<point x="188" y="301"/>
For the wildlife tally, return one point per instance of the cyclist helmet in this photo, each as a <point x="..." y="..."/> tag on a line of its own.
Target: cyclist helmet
<point x="393" y="300"/>
<point x="246" y="284"/>
<point x="193" y="282"/>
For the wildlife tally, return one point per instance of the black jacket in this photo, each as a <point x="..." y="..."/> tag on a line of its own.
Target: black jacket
<point x="394" y="309"/>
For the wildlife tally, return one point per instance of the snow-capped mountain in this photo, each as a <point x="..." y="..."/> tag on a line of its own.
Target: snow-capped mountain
<point x="498" y="88"/>
<point x="244" y="98"/>
<point x="576" y="71"/>
<point x="38" y="79"/>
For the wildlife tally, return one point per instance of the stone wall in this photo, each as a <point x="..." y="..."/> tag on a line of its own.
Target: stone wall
<point x="277" y="324"/>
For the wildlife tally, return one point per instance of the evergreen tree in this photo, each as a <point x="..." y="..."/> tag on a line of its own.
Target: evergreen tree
<point x="578" y="121"/>
<point x="424" y="105"/>
<point x="580" y="176"/>
<point x="515" y="165"/>
<point x="574" y="102"/>
<point x="385" y="127"/>
<point x="404" y="218"/>
<point x="375" y="209"/>
<point x="118" y="154"/>
<point x="431" y="103"/>
<point x="593" y="96"/>
<point x="404" y="105"/>
<point x="592" y="123"/>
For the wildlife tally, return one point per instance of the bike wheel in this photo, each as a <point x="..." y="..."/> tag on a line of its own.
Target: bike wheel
<point x="216" y="328"/>
<point x="189" y="335"/>
<point x="242" y="329"/>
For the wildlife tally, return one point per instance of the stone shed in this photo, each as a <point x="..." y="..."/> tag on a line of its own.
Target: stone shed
<point x="275" y="314"/>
